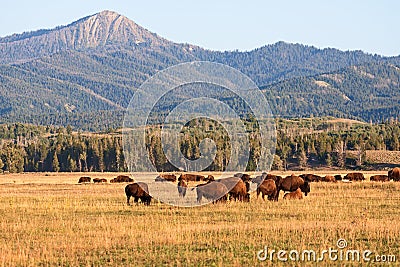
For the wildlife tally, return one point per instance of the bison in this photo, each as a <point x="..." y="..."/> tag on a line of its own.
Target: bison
<point x="338" y="177"/>
<point x="182" y="186"/>
<point x="379" y="178"/>
<point x="245" y="177"/>
<point x="166" y="177"/>
<point x="394" y="174"/>
<point x="121" y="179"/>
<point x="294" y="195"/>
<point x="192" y="177"/>
<point x="292" y="183"/>
<point x="138" y="190"/>
<point x="84" y="179"/>
<point x="266" y="176"/>
<point x="238" y="189"/>
<point x="267" y="188"/>
<point x="355" y="176"/>
<point x="212" y="191"/>
<point x="311" y="177"/>
<point x="329" y="179"/>
<point x="99" y="180"/>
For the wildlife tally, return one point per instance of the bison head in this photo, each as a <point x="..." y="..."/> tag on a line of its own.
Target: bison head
<point x="305" y="188"/>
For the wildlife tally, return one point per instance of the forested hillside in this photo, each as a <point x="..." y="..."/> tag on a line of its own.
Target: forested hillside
<point x="301" y="144"/>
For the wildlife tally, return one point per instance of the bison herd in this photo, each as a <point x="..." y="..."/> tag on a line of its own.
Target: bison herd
<point x="268" y="185"/>
<point x="118" y="179"/>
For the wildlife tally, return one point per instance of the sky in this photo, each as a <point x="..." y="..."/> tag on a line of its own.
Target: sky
<point x="369" y="25"/>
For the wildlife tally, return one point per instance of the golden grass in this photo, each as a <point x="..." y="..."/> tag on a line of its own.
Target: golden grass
<point x="90" y="225"/>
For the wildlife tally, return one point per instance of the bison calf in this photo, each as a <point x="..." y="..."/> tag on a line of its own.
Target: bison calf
<point x="294" y="195"/>
<point x="138" y="191"/>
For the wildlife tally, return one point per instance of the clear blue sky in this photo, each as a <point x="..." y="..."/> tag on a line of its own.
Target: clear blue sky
<point x="370" y="25"/>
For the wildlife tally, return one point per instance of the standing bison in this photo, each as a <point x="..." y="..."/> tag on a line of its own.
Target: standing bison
<point x="311" y="177"/>
<point x="192" y="177"/>
<point x="182" y="186"/>
<point x="84" y="179"/>
<point x="268" y="188"/>
<point x="355" y="176"/>
<point x="212" y="191"/>
<point x="238" y="188"/>
<point x="394" y="174"/>
<point x="121" y="179"/>
<point x="292" y="183"/>
<point x="138" y="191"/>
<point x="379" y="178"/>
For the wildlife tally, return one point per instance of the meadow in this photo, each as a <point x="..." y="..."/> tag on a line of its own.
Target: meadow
<point x="49" y="219"/>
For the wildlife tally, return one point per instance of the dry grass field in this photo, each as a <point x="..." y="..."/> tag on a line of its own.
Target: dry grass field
<point x="50" y="220"/>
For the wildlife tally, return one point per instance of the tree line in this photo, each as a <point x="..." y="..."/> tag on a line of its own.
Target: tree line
<point x="301" y="143"/>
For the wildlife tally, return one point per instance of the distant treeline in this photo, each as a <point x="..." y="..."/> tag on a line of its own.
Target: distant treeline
<point x="301" y="143"/>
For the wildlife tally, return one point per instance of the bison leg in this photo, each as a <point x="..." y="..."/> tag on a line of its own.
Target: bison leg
<point x="136" y="200"/>
<point x="127" y="200"/>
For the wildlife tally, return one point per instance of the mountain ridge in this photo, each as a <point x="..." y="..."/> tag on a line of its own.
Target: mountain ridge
<point x="95" y="64"/>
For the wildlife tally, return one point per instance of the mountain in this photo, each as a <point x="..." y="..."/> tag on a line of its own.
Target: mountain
<point x="370" y="92"/>
<point x="100" y="30"/>
<point x="85" y="73"/>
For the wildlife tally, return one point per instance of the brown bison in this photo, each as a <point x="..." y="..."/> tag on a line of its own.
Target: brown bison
<point x="311" y="177"/>
<point x="394" y="174"/>
<point x="294" y="195"/>
<point x="379" y="178"/>
<point x="238" y="189"/>
<point x="192" y="177"/>
<point x="182" y="186"/>
<point x="212" y="191"/>
<point x="138" y="190"/>
<point x="355" y="176"/>
<point x="267" y="188"/>
<point x="329" y="179"/>
<point x="99" y="180"/>
<point x="292" y="183"/>
<point x="210" y="178"/>
<point x="121" y="179"/>
<point x="266" y="176"/>
<point x="84" y="179"/>
<point x="166" y="177"/>
<point x="244" y="176"/>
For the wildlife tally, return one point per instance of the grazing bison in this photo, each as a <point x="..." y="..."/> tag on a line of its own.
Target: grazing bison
<point x="268" y="188"/>
<point x="311" y="177"/>
<point x="379" y="178"/>
<point x="138" y="190"/>
<point x="182" y="186"/>
<point x="192" y="177"/>
<point x="213" y="191"/>
<point x="166" y="177"/>
<point x="84" y="179"/>
<point x="121" y="179"/>
<point x="355" y="176"/>
<point x="99" y="180"/>
<point x="329" y="179"/>
<point x="338" y="177"/>
<point x="294" y="195"/>
<point x="238" y="188"/>
<point x="394" y="174"/>
<point x="292" y="183"/>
